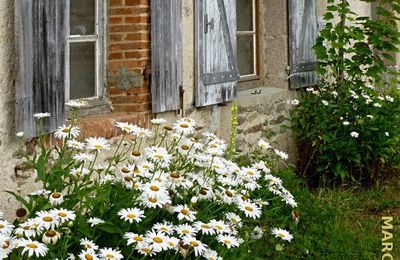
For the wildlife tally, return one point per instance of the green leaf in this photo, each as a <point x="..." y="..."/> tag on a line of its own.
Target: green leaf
<point x="109" y="228"/>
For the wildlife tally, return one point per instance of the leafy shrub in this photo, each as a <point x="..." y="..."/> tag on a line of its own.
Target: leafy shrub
<point x="347" y="127"/>
<point x="176" y="198"/>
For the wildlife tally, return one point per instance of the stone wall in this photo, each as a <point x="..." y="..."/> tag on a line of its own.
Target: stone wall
<point x="263" y="116"/>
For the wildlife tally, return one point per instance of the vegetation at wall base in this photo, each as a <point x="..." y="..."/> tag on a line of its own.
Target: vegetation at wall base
<point x="348" y="127"/>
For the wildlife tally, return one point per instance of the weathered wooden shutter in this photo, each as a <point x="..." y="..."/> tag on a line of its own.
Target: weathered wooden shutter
<point x="166" y="54"/>
<point x="303" y="33"/>
<point x="40" y="46"/>
<point x="216" y="57"/>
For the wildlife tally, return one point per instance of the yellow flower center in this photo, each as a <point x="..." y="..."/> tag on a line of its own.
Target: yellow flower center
<point x="184" y="125"/>
<point x="205" y="226"/>
<point x="281" y="235"/>
<point x="185" y="147"/>
<point x="171" y="244"/>
<point x="62" y="214"/>
<point x="24" y="228"/>
<point x="98" y="146"/>
<point x="5" y="244"/>
<point x="110" y="256"/>
<point x="128" y="179"/>
<point x="175" y="175"/>
<point x="159" y="156"/>
<point x="125" y="170"/>
<point x="56" y="195"/>
<point x="51" y="233"/>
<point x="164" y="229"/>
<point x="158" y="239"/>
<point x="194" y="243"/>
<point x="1" y="226"/>
<point x="154" y="188"/>
<point x="138" y="239"/>
<point x="153" y="200"/>
<point x="248" y="208"/>
<point x="185" y="211"/>
<point x="229" y="194"/>
<point x="250" y="173"/>
<point x="146" y="250"/>
<point x="66" y="130"/>
<point x="219" y="227"/>
<point x="136" y="153"/>
<point x="88" y="257"/>
<point x="185" y="231"/>
<point x="47" y="219"/>
<point x="131" y="215"/>
<point x="227" y="242"/>
<point x="33" y="246"/>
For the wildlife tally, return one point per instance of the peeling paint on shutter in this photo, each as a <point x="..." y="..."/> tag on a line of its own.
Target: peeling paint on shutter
<point x="216" y="57"/>
<point x="166" y="54"/>
<point x="41" y="32"/>
<point x="303" y="32"/>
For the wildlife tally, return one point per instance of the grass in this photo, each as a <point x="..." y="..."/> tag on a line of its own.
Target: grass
<point x="334" y="223"/>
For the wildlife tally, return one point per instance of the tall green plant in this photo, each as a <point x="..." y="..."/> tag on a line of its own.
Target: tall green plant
<point x="347" y="126"/>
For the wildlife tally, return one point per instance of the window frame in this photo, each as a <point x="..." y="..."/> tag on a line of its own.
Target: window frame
<point x="99" y="38"/>
<point x="256" y="45"/>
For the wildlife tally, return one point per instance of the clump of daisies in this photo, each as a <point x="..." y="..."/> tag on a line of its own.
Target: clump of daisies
<point x="168" y="192"/>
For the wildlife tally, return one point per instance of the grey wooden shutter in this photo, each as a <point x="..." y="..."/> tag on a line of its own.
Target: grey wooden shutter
<point x="166" y="54"/>
<point x="303" y="33"/>
<point x="216" y="57"/>
<point x="40" y="47"/>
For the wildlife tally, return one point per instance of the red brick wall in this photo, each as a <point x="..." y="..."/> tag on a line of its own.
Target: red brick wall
<point x="129" y="47"/>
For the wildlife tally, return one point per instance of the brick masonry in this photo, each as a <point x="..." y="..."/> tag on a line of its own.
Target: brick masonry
<point x="129" y="49"/>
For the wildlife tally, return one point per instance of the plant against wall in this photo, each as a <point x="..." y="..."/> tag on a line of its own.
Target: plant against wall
<point x="348" y="127"/>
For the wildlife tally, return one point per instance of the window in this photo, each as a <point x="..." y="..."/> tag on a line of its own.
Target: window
<point x="85" y="50"/>
<point x="247" y="38"/>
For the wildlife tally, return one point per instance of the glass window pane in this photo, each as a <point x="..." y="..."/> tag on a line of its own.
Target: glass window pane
<point x="82" y="17"/>
<point x="82" y="70"/>
<point x="245" y="54"/>
<point x="244" y="13"/>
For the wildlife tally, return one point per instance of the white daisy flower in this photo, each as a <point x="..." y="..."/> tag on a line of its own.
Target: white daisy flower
<point x="79" y="172"/>
<point x="51" y="237"/>
<point x="205" y="228"/>
<point x="185" y="213"/>
<point x="250" y="209"/>
<point x="82" y="157"/>
<point x="158" y="121"/>
<point x="263" y="144"/>
<point x="41" y="115"/>
<point x="40" y="192"/>
<point x="234" y="219"/>
<point x="145" y="249"/>
<point x="88" y="255"/>
<point x="157" y="240"/>
<point x="6" y="246"/>
<point x="134" y="238"/>
<point x="6" y="227"/>
<point x="142" y="133"/>
<point x="282" y="234"/>
<point x="110" y="254"/>
<point x="228" y="241"/>
<point x="154" y="202"/>
<point x="88" y="244"/>
<point x="154" y="189"/>
<point x="220" y="226"/>
<point x="74" y="144"/>
<point x="325" y="103"/>
<point x="387" y="133"/>
<point x="211" y="255"/>
<point x="67" y="131"/>
<point x="126" y="127"/>
<point x="33" y="248"/>
<point x="56" y="198"/>
<point x="131" y="214"/>
<point x="20" y="134"/>
<point x="257" y="233"/>
<point x="159" y="155"/>
<point x="295" y="102"/>
<point x="186" y="230"/>
<point x="184" y="126"/>
<point x="64" y="215"/>
<point x="283" y="155"/>
<point x="354" y="134"/>
<point x="97" y="143"/>
<point x="165" y="227"/>
<point x="95" y="221"/>
<point x="197" y="245"/>
<point x="48" y="219"/>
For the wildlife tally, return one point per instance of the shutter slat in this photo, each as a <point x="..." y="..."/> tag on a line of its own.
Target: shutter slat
<point x="303" y="31"/>
<point x="216" y="67"/>
<point x="41" y="32"/>
<point x="166" y="58"/>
